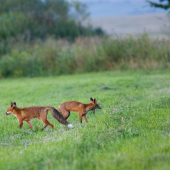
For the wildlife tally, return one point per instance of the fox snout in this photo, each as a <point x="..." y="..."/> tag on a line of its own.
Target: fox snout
<point x="98" y="107"/>
<point x="8" y="113"/>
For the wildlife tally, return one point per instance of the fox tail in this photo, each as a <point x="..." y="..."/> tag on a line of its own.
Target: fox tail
<point x="60" y="118"/>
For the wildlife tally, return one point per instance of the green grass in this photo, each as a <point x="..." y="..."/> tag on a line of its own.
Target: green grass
<point x="132" y="131"/>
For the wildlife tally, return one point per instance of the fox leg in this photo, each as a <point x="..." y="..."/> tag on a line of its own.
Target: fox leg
<point x="46" y="123"/>
<point x="84" y="117"/>
<point x="29" y="122"/>
<point x="64" y="112"/>
<point x="20" y="123"/>
<point x="66" y="115"/>
<point x="80" y="117"/>
<point x="44" y="126"/>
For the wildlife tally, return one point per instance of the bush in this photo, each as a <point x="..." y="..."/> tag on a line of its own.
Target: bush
<point x="56" y="57"/>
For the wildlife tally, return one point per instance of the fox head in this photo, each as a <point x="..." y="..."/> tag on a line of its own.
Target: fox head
<point x="94" y="102"/>
<point x="10" y="108"/>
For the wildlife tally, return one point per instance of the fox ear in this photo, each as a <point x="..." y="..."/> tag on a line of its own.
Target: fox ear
<point x="11" y="104"/>
<point x="95" y="101"/>
<point x="91" y="99"/>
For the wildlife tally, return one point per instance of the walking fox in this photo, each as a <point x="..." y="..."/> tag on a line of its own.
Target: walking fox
<point x="81" y="108"/>
<point x="40" y="112"/>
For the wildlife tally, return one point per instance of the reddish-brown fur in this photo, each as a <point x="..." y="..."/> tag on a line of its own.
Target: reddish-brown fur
<point x="81" y="108"/>
<point x="40" y="112"/>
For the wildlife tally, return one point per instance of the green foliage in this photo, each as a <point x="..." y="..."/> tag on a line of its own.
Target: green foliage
<point x="131" y="131"/>
<point x="80" y="13"/>
<point x="12" y="24"/>
<point x="165" y="4"/>
<point x="52" y="57"/>
<point x="39" y="19"/>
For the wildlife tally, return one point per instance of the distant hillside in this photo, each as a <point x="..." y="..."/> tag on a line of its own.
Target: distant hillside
<point x="153" y="24"/>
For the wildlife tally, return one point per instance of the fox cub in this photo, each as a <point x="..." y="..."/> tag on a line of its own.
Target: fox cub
<point x="40" y="112"/>
<point x="81" y="108"/>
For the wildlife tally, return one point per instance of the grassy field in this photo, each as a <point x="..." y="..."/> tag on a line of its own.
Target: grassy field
<point x="132" y="131"/>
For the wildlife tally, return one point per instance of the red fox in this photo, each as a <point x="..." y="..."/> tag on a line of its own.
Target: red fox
<point x="40" y="112"/>
<point x="81" y="108"/>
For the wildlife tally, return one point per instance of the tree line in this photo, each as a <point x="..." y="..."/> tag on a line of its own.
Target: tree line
<point x="42" y="18"/>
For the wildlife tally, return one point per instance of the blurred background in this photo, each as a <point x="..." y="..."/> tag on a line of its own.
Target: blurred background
<point x="128" y="17"/>
<point x="54" y="37"/>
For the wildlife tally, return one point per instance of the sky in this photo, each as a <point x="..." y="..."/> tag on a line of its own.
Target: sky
<point x="107" y="8"/>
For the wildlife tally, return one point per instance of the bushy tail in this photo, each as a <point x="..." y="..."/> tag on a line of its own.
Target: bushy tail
<point x="60" y="117"/>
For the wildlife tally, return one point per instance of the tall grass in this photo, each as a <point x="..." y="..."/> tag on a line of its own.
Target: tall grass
<point x="56" y="57"/>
